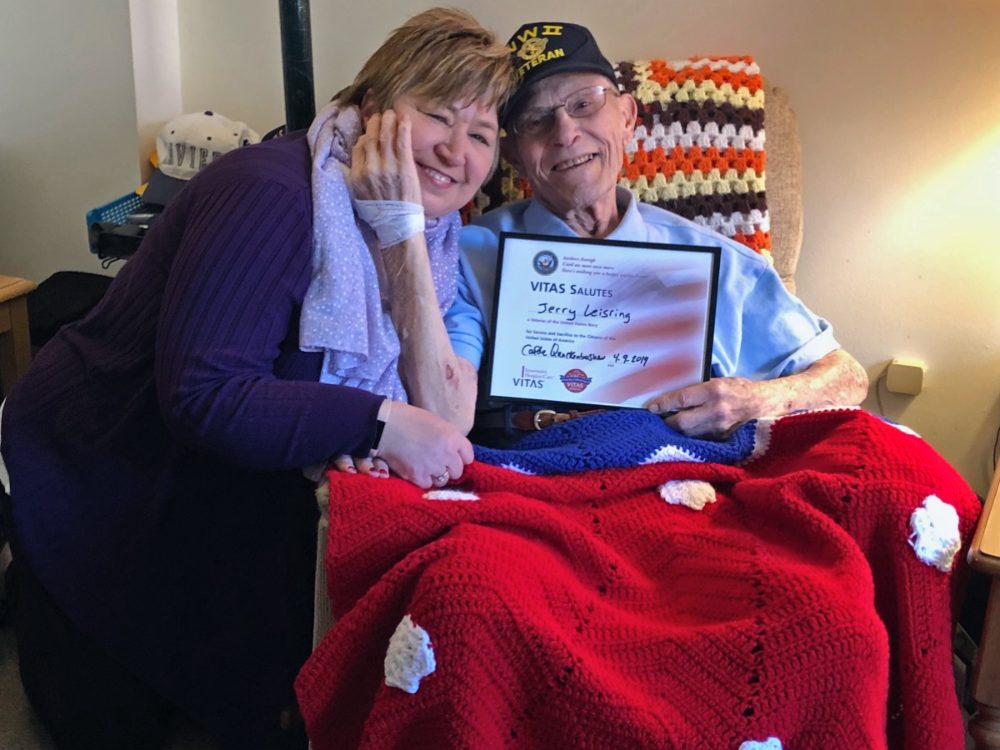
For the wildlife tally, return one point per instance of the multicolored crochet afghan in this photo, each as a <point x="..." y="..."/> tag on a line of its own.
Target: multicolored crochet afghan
<point x="612" y="584"/>
<point x="698" y="148"/>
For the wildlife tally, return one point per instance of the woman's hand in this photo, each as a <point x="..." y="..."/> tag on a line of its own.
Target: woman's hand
<point x="417" y="445"/>
<point x="423" y="448"/>
<point x="369" y="467"/>
<point x="382" y="165"/>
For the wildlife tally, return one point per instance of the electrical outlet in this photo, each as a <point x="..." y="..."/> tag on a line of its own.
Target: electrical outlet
<point x="905" y="376"/>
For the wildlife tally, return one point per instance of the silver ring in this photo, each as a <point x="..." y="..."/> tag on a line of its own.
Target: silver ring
<point x="442" y="478"/>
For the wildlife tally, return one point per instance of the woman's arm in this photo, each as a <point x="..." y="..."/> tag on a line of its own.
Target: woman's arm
<point x="229" y="307"/>
<point x="229" y="311"/>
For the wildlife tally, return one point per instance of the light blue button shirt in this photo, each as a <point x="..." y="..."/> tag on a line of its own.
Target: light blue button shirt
<point x="762" y="331"/>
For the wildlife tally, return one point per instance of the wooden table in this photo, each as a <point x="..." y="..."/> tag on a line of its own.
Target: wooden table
<point x="15" y="341"/>
<point x="984" y="555"/>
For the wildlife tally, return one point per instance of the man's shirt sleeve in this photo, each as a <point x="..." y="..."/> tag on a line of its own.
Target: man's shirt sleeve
<point x="467" y="319"/>
<point x="767" y="332"/>
<point x="464" y="323"/>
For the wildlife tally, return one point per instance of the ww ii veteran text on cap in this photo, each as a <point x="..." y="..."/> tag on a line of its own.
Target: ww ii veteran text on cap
<point x="545" y="48"/>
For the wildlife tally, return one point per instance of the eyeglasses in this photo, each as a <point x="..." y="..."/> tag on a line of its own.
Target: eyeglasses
<point x="579" y="105"/>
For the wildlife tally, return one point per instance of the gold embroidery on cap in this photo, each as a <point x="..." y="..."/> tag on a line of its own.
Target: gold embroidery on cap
<point x="532" y="49"/>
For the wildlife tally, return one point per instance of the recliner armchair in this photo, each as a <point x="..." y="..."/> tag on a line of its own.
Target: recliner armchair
<point x="776" y="229"/>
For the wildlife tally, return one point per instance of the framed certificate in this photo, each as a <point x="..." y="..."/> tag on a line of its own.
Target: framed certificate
<point x="581" y="322"/>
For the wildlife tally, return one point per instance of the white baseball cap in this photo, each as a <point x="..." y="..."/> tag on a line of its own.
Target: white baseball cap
<point x="188" y="143"/>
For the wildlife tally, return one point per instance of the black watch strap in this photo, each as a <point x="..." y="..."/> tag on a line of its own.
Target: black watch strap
<point x="379" y="429"/>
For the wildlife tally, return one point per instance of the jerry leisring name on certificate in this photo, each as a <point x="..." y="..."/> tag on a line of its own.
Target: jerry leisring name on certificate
<point x="600" y="322"/>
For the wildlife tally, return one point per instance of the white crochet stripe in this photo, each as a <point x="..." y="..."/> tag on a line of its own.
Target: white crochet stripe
<point x="736" y="222"/>
<point x="669" y="453"/>
<point x="738" y="66"/>
<point x="818" y="410"/>
<point x="709" y="135"/>
<point x="518" y="469"/>
<point x="450" y="495"/>
<point x="904" y="429"/>
<point x="761" y="438"/>
<point x="771" y="743"/>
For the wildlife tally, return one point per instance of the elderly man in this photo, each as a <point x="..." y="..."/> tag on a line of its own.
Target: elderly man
<point x="567" y="128"/>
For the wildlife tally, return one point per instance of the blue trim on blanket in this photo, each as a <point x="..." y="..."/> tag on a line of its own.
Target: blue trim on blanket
<point x="612" y="440"/>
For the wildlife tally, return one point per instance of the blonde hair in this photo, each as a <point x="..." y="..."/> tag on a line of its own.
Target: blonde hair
<point x="443" y="54"/>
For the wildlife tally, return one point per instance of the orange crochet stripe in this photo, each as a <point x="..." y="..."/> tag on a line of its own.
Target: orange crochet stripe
<point x="648" y="163"/>
<point x="662" y="73"/>
<point x="759" y="240"/>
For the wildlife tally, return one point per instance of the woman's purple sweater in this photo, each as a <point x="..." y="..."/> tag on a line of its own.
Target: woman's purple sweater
<point x="154" y="447"/>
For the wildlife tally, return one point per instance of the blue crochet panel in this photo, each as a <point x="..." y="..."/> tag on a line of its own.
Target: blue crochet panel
<point x="614" y="440"/>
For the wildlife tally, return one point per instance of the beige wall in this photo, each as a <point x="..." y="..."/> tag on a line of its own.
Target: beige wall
<point x="156" y="56"/>
<point x="898" y="103"/>
<point x="67" y="128"/>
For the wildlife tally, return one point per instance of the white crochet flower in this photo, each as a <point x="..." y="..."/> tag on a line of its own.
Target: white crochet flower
<point x="935" y="537"/>
<point x="691" y="493"/>
<point x="409" y="658"/>
<point x="771" y="743"/>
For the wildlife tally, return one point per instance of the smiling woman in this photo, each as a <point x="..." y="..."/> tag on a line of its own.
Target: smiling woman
<point x="453" y="148"/>
<point x="284" y="310"/>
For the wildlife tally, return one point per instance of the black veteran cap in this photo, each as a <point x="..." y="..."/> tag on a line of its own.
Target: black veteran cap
<point x="543" y="49"/>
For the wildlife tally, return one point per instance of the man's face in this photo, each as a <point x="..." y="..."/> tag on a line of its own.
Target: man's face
<point x="574" y="165"/>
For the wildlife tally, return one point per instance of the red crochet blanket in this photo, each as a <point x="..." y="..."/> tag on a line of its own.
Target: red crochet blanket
<point x="586" y="611"/>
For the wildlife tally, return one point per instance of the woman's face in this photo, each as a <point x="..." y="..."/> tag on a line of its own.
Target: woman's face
<point x="454" y="146"/>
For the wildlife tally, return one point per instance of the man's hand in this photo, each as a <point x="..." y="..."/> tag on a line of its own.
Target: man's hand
<point x="710" y="409"/>
<point x="382" y="164"/>
<point x="715" y="408"/>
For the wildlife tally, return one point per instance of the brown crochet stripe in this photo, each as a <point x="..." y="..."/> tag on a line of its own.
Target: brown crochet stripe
<point x="706" y="205"/>
<point x="703" y="112"/>
<point x="696" y="71"/>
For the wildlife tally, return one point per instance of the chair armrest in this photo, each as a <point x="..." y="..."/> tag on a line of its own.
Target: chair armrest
<point x="984" y="552"/>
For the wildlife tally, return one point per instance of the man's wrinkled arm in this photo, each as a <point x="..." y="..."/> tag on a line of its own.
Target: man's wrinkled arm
<point x="837" y="379"/>
<point x="714" y="408"/>
<point x="435" y="377"/>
